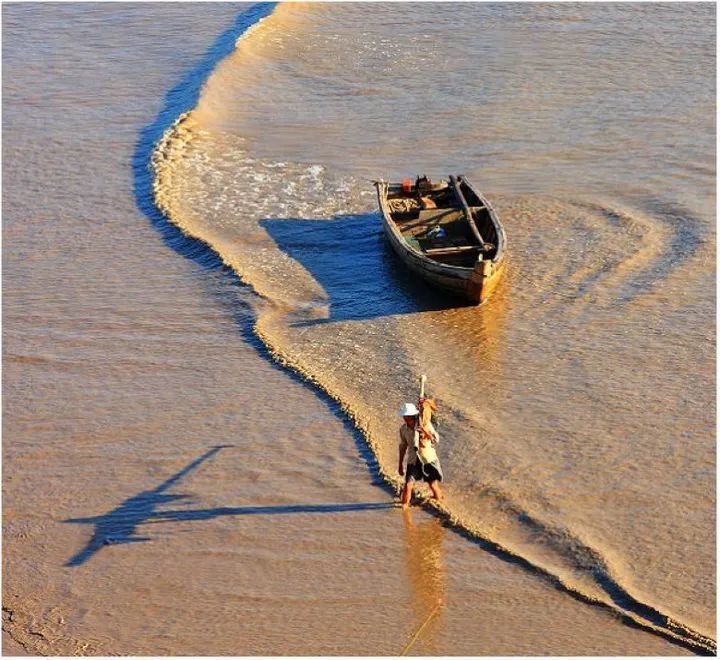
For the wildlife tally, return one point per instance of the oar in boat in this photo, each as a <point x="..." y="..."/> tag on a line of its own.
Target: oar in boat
<point x="468" y="213"/>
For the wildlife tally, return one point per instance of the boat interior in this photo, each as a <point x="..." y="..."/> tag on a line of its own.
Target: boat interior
<point x="431" y="219"/>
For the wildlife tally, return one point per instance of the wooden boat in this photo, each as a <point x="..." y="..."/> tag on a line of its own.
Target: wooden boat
<point x="446" y="232"/>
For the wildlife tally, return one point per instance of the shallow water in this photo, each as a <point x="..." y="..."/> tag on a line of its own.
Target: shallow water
<point x="577" y="406"/>
<point x="129" y="352"/>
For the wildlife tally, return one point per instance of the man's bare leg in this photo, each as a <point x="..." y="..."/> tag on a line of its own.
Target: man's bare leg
<point x="407" y="494"/>
<point x="436" y="491"/>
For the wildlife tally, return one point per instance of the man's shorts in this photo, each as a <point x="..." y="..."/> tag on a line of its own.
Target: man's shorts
<point x="414" y="472"/>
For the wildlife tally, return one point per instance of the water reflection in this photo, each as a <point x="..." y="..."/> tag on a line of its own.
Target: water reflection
<point x="425" y="568"/>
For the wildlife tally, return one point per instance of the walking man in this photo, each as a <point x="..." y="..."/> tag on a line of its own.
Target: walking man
<point x="422" y="460"/>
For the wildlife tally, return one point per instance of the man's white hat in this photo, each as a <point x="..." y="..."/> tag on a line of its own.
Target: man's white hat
<point x="409" y="410"/>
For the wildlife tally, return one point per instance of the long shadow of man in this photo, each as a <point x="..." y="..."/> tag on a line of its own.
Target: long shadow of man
<point x="120" y="524"/>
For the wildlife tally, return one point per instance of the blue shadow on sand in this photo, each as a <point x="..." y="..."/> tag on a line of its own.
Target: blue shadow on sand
<point x="182" y="98"/>
<point x="350" y="258"/>
<point x="120" y="525"/>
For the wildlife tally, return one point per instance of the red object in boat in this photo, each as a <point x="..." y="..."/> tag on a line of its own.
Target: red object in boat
<point x="407" y="186"/>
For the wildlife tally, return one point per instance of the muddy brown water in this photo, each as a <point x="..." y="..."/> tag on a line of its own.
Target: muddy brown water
<point x="169" y="488"/>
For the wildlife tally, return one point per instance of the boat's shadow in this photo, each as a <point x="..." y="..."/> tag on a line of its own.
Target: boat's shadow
<point x="353" y="262"/>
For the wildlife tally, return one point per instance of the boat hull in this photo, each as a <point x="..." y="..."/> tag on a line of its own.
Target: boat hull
<point x="473" y="284"/>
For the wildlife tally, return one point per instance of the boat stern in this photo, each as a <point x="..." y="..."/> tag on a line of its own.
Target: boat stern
<point x="482" y="281"/>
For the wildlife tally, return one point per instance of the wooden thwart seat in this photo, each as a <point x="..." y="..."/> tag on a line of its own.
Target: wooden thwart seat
<point x="437" y="215"/>
<point x="452" y="250"/>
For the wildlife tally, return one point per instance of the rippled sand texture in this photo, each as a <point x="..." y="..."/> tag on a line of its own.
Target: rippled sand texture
<point x="577" y="406"/>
